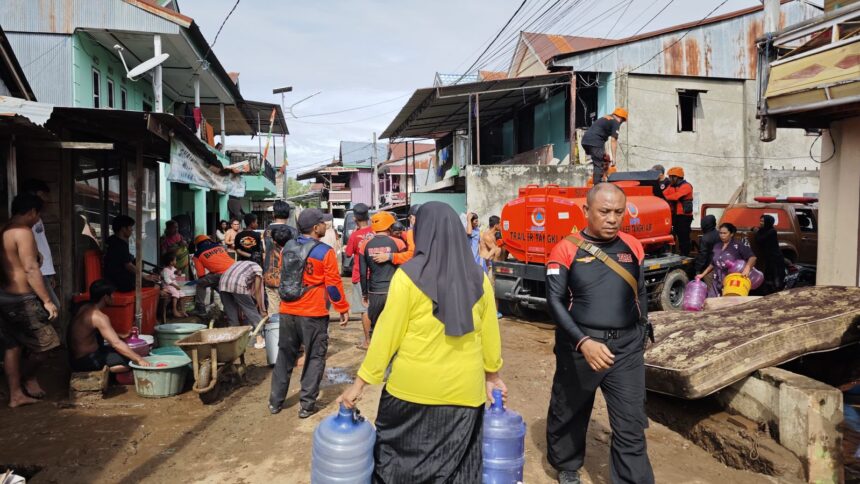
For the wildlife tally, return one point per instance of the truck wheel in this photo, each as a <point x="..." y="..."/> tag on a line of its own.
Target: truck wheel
<point x="672" y="290"/>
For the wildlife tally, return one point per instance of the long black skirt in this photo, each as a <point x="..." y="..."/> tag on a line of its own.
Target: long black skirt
<point x="418" y="444"/>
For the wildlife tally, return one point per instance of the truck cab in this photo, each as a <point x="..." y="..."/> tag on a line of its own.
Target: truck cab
<point x="796" y="223"/>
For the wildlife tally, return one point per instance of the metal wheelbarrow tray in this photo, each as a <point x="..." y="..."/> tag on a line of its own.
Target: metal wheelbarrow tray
<point x="697" y="354"/>
<point x="213" y="353"/>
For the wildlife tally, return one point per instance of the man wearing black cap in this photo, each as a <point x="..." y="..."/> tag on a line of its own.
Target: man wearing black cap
<point x="361" y="212"/>
<point x="304" y="321"/>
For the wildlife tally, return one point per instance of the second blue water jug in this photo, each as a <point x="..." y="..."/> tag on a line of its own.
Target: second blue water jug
<point x="343" y="449"/>
<point x="504" y="444"/>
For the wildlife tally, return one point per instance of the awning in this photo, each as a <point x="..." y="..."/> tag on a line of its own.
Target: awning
<point x="826" y="78"/>
<point x="435" y="112"/>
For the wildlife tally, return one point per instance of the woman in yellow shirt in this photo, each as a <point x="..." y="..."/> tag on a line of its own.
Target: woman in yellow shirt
<point x="440" y="333"/>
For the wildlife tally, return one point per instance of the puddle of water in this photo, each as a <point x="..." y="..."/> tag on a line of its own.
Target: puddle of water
<point x="337" y="376"/>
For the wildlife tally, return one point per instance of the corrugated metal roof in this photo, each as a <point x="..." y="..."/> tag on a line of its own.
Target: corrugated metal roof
<point x="46" y="60"/>
<point x="492" y="75"/>
<point x="435" y="112"/>
<point x="36" y="113"/>
<point x="398" y="150"/>
<point x="547" y="46"/>
<point x="723" y="46"/>
<point x="64" y="16"/>
<point x="360" y="153"/>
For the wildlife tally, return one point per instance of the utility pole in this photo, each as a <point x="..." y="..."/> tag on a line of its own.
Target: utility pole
<point x="771" y="16"/>
<point x="374" y="188"/>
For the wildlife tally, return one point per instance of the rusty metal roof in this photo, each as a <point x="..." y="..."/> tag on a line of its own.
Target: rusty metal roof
<point x="398" y="150"/>
<point x="723" y="46"/>
<point x="547" y="46"/>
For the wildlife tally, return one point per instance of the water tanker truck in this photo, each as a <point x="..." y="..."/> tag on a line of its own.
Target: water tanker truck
<point x="541" y="216"/>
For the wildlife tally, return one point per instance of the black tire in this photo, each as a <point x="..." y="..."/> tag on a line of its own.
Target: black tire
<point x="671" y="292"/>
<point x="508" y="308"/>
<point x="212" y="395"/>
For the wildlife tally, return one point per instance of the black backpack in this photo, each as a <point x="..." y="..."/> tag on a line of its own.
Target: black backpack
<point x="294" y="259"/>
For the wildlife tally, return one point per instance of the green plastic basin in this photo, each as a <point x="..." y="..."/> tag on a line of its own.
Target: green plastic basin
<point x="169" y="334"/>
<point x="161" y="381"/>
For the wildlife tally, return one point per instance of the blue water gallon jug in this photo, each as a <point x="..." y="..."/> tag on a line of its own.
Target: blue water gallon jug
<point x="343" y="449"/>
<point x="694" y="296"/>
<point x="504" y="443"/>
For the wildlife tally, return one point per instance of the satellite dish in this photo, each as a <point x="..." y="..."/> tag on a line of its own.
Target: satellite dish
<point x="143" y="67"/>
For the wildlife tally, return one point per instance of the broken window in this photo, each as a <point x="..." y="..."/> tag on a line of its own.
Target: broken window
<point x="688" y="106"/>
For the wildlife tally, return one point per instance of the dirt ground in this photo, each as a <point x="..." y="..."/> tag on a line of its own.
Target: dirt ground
<point x="128" y="439"/>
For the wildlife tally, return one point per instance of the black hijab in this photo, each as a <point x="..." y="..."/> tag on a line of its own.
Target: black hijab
<point x="444" y="268"/>
<point x="766" y="231"/>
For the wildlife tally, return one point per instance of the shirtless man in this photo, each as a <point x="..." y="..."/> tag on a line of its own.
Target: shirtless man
<point x="26" y="308"/>
<point x="91" y="328"/>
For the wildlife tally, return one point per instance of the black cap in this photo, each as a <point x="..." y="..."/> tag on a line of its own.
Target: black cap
<point x="413" y="209"/>
<point x="310" y="217"/>
<point x="361" y="211"/>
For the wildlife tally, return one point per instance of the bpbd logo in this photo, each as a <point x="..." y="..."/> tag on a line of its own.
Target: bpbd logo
<point x="633" y="211"/>
<point x="538" y="219"/>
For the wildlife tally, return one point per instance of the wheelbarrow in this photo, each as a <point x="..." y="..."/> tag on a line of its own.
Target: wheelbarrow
<point x="213" y="353"/>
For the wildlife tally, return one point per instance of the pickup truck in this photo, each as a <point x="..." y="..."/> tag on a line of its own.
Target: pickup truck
<point x="796" y="224"/>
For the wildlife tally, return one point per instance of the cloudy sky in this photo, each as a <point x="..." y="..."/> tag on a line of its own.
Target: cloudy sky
<point x="359" y="53"/>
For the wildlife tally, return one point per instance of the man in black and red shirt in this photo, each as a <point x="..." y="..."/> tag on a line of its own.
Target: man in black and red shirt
<point x="599" y="342"/>
<point x="375" y="277"/>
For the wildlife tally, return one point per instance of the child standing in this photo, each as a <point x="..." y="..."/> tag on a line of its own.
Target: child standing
<point x="170" y="286"/>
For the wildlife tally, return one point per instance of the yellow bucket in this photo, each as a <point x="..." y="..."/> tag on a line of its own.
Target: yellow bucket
<point x="736" y="285"/>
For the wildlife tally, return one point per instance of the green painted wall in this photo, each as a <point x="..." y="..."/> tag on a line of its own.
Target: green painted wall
<point x="457" y="201"/>
<point x="549" y="126"/>
<point x="88" y="56"/>
<point x="258" y="187"/>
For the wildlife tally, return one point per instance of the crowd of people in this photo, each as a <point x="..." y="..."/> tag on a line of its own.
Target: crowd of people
<point x="426" y="299"/>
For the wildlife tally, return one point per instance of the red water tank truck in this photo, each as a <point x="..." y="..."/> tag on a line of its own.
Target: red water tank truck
<point x="541" y="216"/>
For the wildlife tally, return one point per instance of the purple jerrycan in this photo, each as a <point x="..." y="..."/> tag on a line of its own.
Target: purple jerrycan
<point x="694" y="296"/>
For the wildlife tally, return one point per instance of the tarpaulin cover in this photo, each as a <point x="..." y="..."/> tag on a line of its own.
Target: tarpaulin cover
<point x="697" y="354"/>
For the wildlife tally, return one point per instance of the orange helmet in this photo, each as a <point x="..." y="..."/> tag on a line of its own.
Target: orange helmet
<point x="676" y="171"/>
<point x="201" y="238"/>
<point x="382" y="221"/>
<point x="621" y="113"/>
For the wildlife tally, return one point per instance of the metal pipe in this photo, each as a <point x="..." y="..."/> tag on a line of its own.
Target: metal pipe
<point x="138" y="238"/>
<point x="478" y="124"/>
<point x="813" y="106"/>
<point x="157" y="77"/>
<point x="223" y="128"/>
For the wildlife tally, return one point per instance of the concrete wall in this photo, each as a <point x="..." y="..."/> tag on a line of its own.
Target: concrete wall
<point x="489" y="188"/>
<point x="839" y="209"/>
<point x="723" y="151"/>
<point x="781" y="183"/>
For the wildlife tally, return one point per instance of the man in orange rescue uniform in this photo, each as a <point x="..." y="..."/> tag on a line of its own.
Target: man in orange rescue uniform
<point x="679" y="194"/>
<point x="304" y="320"/>
<point x="211" y="260"/>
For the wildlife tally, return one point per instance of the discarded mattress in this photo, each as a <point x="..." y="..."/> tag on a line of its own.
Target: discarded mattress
<point x="697" y="354"/>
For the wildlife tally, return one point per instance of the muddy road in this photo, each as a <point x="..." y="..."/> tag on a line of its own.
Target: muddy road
<point x="127" y="439"/>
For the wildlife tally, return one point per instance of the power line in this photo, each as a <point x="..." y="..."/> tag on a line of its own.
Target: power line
<point x="348" y="122"/>
<point x="494" y="39"/>
<point x="351" y="109"/>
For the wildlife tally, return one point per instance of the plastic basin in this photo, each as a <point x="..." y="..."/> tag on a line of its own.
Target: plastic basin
<point x="169" y="334"/>
<point x="170" y="351"/>
<point x="165" y="378"/>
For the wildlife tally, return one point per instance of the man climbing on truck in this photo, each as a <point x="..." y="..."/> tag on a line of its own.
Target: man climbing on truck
<point x="594" y="142"/>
